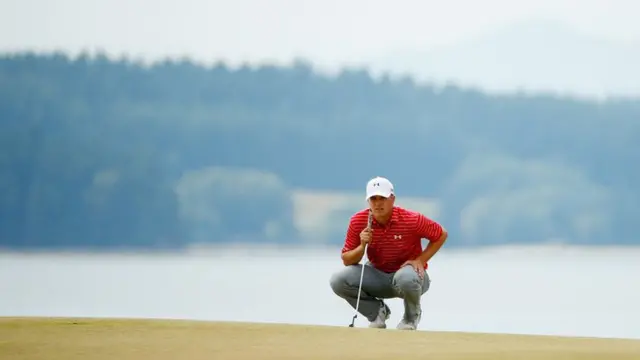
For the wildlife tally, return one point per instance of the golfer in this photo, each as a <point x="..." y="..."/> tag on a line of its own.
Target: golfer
<point x="397" y="263"/>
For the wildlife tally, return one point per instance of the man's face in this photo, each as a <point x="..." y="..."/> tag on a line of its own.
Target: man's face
<point x="380" y="205"/>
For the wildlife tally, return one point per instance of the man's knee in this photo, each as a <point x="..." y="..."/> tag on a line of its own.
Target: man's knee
<point x="340" y="280"/>
<point x="407" y="279"/>
<point x="337" y="281"/>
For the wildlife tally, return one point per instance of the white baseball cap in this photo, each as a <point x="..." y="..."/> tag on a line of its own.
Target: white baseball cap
<point x="379" y="186"/>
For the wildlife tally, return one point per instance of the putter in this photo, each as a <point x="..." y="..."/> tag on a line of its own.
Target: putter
<point x="355" y="315"/>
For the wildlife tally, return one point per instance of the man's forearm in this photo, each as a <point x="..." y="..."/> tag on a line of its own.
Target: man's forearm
<point x="353" y="256"/>
<point x="432" y="248"/>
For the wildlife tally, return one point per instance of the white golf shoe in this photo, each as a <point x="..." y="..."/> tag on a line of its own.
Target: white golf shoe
<point x="409" y="324"/>
<point x="383" y="315"/>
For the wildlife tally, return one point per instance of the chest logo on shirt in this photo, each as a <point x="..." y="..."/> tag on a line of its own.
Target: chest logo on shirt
<point x="397" y="237"/>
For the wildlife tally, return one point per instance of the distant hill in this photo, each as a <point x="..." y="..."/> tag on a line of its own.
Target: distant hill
<point x="96" y="153"/>
<point x="535" y="56"/>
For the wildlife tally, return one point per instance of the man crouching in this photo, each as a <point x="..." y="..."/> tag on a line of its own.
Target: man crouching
<point x="397" y="264"/>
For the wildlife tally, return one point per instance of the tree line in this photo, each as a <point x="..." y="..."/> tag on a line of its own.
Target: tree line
<point x="103" y="153"/>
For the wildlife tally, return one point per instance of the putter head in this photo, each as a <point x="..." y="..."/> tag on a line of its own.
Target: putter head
<point x="353" y="320"/>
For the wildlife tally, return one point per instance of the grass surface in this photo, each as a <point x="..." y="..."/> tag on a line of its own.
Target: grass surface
<point x="68" y="339"/>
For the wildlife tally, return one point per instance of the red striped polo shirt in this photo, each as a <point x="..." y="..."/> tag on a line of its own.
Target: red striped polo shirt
<point x="397" y="241"/>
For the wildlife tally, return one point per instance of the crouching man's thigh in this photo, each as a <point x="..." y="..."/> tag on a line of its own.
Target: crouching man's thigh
<point x="345" y="279"/>
<point x="375" y="283"/>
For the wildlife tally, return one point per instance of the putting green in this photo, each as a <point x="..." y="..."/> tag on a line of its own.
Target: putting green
<point x="124" y="339"/>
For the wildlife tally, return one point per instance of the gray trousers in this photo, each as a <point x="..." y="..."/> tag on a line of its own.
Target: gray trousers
<point x="404" y="284"/>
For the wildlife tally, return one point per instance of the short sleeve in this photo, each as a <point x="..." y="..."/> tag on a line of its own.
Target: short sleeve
<point x="352" y="238"/>
<point x="428" y="229"/>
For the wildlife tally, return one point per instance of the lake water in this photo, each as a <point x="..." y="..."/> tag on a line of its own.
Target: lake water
<point x="542" y="290"/>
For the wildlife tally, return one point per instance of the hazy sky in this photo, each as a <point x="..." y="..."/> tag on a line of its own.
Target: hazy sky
<point x="328" y="32"/>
